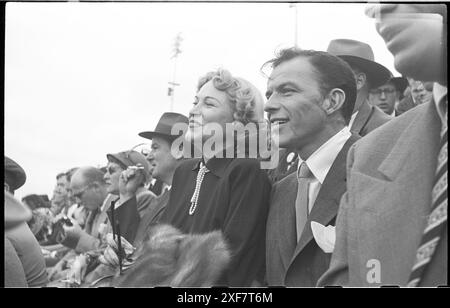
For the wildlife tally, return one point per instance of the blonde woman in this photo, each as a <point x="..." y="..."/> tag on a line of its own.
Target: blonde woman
<point x="227" y="194"/>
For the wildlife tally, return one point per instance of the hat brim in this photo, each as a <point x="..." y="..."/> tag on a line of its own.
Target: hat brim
<point x="377" y="73"/>
<point x="112" y="158"/>
<point x="151" y="135"/>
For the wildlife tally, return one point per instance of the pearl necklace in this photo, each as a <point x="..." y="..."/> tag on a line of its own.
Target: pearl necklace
<point x="194" y="200"/>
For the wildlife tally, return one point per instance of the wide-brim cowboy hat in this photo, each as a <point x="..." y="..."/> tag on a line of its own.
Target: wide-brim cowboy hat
<point x="361" y="55"/>
<point x="165" y="124"/>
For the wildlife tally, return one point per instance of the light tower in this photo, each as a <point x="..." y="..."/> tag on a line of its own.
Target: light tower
<point x="172" y="84"/>
<point x="294" y="5"/>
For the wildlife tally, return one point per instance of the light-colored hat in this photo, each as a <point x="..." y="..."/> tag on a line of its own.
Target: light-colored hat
<point x="130" y="158"/>
<point x="360" y="54"/>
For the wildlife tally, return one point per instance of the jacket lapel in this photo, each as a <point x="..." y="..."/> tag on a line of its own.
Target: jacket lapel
<point x="327" y="203"/>
<point x="362" y="118"/>
<point x="287" y="236"/>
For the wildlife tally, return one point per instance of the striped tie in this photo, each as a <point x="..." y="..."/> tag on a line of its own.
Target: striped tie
<point x="304" y="177"/>
<point x="438" y="216"/>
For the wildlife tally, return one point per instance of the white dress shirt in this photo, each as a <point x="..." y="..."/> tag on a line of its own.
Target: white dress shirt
<point x="320" y="162"/>
<point x="352" y="119"/>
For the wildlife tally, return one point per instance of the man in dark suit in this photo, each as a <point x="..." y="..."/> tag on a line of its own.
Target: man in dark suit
<point x="310" y="95"/>
<point x="369" y="74"/>
<point x="392" y="222"/>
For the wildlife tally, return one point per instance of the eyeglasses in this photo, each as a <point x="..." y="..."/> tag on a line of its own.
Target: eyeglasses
<point x="380" y="91"/>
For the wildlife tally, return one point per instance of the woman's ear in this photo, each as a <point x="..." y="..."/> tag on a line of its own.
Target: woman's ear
<point x="334" y="101"/>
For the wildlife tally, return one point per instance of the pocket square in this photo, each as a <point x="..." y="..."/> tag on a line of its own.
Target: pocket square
<point x="325" y="236"/>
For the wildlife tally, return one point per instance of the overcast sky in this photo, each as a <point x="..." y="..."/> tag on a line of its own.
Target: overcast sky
<point x="83" y="79"/>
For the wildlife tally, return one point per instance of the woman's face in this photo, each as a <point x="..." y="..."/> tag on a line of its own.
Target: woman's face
<point x="211" y="108"/>
<point x="111" y="177"/>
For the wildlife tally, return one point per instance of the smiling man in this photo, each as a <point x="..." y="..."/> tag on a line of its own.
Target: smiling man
<point x="311" y="95"/>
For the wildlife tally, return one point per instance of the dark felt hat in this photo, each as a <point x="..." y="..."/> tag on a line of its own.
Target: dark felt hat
<point x="361" y="55"/>
<point x="15" y="176"/>
<point x="400" y="83"/>
<point x="165" y="125"/>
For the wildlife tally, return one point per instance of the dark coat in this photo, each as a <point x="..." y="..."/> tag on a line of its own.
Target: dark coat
<point x="234" y="198"/>
<point x="368" y="118"/>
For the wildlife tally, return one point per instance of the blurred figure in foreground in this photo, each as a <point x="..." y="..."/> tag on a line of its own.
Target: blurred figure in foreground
<point x="392" y="222"/>
<point x="17" y="233"/>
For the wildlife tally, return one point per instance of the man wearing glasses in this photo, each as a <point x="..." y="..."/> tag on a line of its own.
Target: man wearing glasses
<point x="89" y="189"/>
<point x="387" y="96"/>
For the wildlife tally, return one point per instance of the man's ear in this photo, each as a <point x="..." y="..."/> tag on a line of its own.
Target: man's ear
<point x="178" y="154"/>
<point x="333" y="101"/>
<point x="361" y="80"/>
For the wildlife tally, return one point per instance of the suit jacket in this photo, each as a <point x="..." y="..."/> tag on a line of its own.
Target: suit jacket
<point x="383" y="214"/>
<point x="283" y="168"/>
<point x="301" y="264"/>
<point x="368" y="118"/>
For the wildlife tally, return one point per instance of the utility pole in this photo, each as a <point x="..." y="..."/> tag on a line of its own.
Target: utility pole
<point x="172" y="84"/>
<point x="294" y="5"/>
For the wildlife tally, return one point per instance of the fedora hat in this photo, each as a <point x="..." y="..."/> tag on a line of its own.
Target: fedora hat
<point x="15" y="176"/>
<point x="164" y="127"/>
<point x="361" y="55"/>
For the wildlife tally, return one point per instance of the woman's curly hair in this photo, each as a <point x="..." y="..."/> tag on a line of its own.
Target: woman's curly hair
<point x="240" y="92"/>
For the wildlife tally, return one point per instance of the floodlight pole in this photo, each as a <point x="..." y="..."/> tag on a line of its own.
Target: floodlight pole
<point x="294" y="5"/>
<point x="173" y="84"/>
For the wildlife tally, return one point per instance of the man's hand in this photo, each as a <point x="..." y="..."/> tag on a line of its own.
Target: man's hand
<point x="56" y="269"/>
<point x="72" y="231"/>
<point x="78" y="269"/>
<point x="129" y="182"/>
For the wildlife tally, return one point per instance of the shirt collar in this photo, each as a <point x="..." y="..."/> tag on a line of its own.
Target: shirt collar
<point x="439" y="92"/>
<point x="322" y="159"/>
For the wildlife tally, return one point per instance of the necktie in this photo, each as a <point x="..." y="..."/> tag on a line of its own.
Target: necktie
<point x="304" y="176"/>
<point x="200" y="175"/>
<point x="438" y="215"/>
